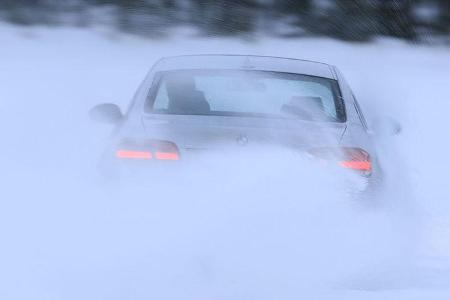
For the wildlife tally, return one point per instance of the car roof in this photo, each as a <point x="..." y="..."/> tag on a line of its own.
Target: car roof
<point x="245" y="62"/>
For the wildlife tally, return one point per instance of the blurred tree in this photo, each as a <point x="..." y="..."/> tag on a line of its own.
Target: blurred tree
<point x="444" y="7"/>
<point x="349" y="20"/>
<point x="396" y="18"/>
<point x="302" y="7"/>
<point x="345" y="19"/>
<point x="224" y="17"/>
<point x="24" y="12"/>
<point x="300" y="13"/>
<point x="145" y="17"/>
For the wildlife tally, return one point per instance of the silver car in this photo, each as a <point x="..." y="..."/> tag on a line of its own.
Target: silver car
<point x="189" y="105"/>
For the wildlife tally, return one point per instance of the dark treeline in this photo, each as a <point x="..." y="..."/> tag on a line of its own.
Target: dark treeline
<point x="344" y="19"/>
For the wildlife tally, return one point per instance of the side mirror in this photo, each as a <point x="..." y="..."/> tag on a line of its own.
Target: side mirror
<point x="386" y="126"/>
<point x="106" y="113"/>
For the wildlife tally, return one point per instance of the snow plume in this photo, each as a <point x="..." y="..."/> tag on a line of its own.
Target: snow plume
<point x="239" y="229"/>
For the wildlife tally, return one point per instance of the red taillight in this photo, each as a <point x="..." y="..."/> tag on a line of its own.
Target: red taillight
<point x="130" y="154"/>
<point x="346" y="157"/>
<point x="356" y="159"/>
<point x="161" y="150"/>
<point x="167" y="155"/>
<point x="356" y="165"/>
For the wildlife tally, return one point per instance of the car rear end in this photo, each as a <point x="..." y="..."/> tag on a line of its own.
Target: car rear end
<point x="195" y="107"/>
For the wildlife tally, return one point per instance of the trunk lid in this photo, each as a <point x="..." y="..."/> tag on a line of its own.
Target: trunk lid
<point x="195" y="133"/>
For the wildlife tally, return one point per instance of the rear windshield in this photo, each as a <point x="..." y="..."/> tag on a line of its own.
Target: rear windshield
<point x="246" y="94"/>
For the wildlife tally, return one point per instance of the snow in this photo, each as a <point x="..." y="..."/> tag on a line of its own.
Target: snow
<point x="257" y="235"/>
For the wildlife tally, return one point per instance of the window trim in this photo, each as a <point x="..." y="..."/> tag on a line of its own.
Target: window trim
<point x="359" y="112"/>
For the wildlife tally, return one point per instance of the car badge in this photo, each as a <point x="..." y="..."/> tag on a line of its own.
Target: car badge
<point x="242" y="140"/>
<point x="247" y="64"/>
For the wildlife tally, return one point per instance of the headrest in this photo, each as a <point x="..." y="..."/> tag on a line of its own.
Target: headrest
<point x="307" y="102"/>
<point x="305" y="107"/>
<point x="180" y="82"/>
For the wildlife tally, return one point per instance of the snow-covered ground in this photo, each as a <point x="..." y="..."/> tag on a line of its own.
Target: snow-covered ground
<point x="255" y="235"/>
